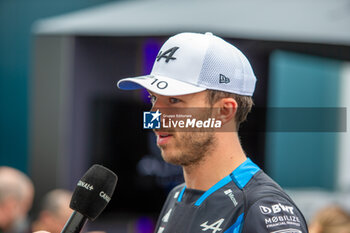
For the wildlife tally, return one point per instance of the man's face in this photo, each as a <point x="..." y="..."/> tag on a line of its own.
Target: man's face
<point x="179" y="147"/>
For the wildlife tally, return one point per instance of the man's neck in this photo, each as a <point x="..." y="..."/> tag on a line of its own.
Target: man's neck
<point x="226" y="156"/>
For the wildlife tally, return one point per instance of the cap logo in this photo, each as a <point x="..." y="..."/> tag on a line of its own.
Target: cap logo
<point x="223" y="79"/>
<point x="168" y="55"/>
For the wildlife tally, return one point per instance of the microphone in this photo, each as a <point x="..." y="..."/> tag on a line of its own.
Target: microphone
<point x="90" y="197"/>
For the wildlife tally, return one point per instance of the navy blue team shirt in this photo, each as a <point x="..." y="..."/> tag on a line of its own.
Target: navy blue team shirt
<point x="246" y="201"/>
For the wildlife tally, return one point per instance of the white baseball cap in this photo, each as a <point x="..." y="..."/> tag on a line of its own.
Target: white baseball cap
<point x="192" y="62"/>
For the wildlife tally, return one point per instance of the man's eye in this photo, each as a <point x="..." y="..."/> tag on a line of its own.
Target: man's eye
<point x="174" y="100"/>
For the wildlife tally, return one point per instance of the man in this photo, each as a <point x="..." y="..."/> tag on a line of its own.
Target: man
<point x="223" y="191"/>
<point x="16" y="198"/>
<point x="54" y="211"/>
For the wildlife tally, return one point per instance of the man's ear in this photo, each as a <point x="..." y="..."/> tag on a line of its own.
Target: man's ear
<point x="226" y="109"/>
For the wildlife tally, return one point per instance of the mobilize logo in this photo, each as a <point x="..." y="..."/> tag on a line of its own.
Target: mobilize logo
<point x="277" y="208"/>
<point x="279" y="220"/>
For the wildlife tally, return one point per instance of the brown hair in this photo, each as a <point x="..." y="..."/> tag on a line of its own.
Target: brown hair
<point x="245" y="103"/>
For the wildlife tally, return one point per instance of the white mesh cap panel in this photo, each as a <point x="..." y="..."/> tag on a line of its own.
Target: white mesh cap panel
<point x="225" y="68"/>
<point x="249" y="77"/>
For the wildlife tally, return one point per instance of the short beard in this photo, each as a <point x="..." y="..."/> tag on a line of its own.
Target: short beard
<point x="195" y="146"/>
<point x="195" y="149"/>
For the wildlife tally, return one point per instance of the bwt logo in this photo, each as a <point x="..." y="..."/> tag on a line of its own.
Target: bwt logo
<point x="151" y="120"/>
<point x="276" y="209"/>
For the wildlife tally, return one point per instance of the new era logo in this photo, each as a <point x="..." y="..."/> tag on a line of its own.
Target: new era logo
<point x="151" y="120"/>
<point x="223" y="79"/>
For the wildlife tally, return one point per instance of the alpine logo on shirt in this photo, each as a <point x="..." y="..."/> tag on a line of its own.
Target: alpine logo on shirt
<point x="214" y="227"/>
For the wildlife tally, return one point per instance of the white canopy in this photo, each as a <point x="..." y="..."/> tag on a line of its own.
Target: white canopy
<point x="319" y="21"/>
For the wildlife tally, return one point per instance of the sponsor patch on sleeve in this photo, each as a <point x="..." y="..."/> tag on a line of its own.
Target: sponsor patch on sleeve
<point x="279" y="215"/>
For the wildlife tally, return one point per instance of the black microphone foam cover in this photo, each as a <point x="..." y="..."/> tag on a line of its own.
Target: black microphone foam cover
<point x="93" y="192"/>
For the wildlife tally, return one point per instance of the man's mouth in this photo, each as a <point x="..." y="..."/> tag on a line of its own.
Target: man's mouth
<point x="163" y="137"/>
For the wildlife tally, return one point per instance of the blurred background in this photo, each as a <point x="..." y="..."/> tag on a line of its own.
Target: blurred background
<point x="61" y="111"/>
